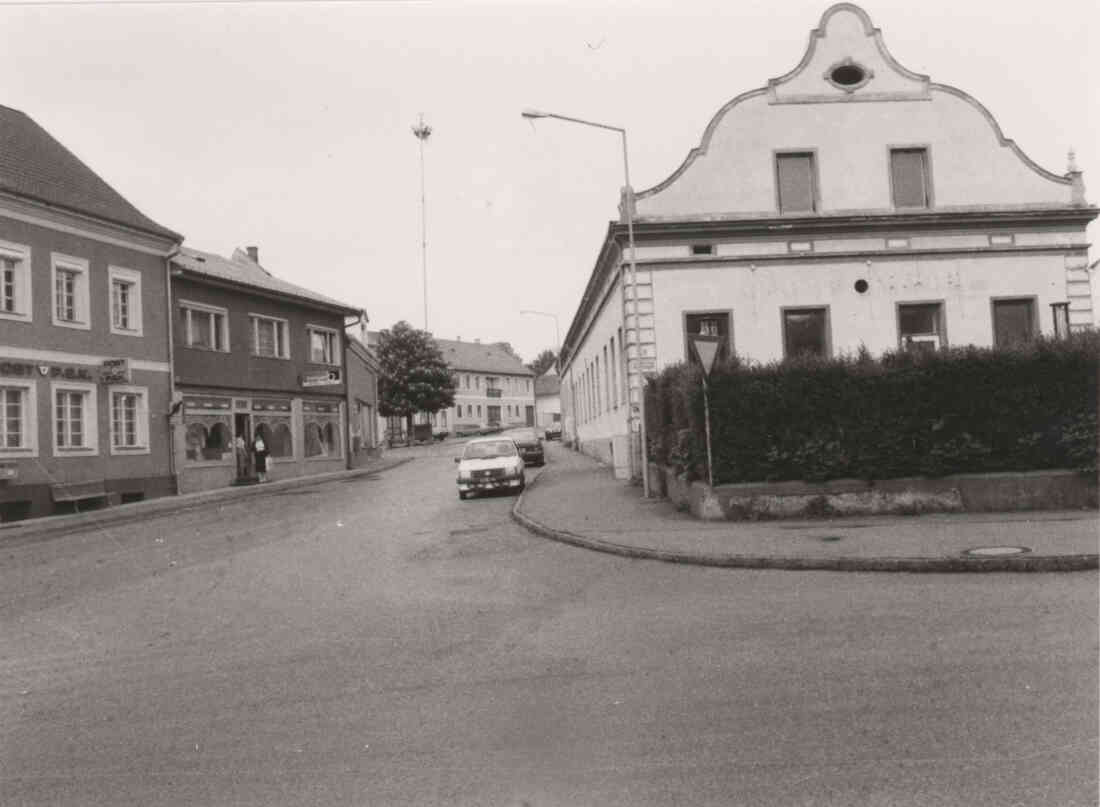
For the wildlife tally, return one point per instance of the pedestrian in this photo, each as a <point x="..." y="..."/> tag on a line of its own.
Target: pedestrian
<point x="259" y="450"/>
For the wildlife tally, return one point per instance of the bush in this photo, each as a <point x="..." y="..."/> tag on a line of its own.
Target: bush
<point x="960" y="410"/>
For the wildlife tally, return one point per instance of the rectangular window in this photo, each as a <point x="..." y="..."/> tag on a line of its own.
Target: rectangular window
<point x="322" y="346"/>
<point x="70" y="292"/>
<point x="805" y="332"/>
<point x="14" y="280"/>
<point x="1013" y="321"/>
<point x="269" y="337"/>
<point x="796" y="183"/>
<point x="614" y="373"/>
<point x="75" y="425"/>
<point x="1060" y="313"/>
<point x="624" y="375"/>
<point x="702" y="249"/>
<point x="125" y="301"/>
<point x="129" y="420"/>
<point x="204" y="326"/>
<point x="13" y="418"/>
<point x="909" y="177"/>
<point x="920" y="326"/>
<point x="707" y="323"/>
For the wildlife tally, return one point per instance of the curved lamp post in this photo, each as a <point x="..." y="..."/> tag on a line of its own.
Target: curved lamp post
<point x="636" y="416"/>
<point x="422" y="132"/>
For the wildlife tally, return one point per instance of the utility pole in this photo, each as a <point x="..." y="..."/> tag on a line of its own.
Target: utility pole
<point x="423" y="132"/>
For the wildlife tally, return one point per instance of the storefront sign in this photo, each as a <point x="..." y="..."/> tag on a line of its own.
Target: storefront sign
<point x="269" y="405"/>
<point x="321" y="379"/>
<point x="197" y="402"/>
<point x="115" y="371"/>
<point x="26" y="369"/>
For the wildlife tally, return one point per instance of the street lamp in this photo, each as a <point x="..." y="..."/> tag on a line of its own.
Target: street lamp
<point x="706" y="348"/>
<point x="637" y="423"/>
<point x="557" y="331"/>
<point x="422" y="132"/>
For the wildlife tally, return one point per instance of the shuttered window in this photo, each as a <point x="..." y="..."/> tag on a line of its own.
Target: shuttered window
<point x="795" y="177"/>
<point x="909" y="173"/>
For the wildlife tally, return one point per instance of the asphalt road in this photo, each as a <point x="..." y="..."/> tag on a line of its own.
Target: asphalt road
<point x="378" y="642"/>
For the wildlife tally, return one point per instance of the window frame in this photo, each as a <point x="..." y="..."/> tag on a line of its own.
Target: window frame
<point x="133" y="278"/>
<point x="791" y="309"/>
<point x="90" y="415"/>
<point x="81" y="291"/>
<point x="205" y="308"/>
<point x="142" y="424"/>
<point x="1031" y="299"/>
<point x="815" y="180"/>
<point x="941" y="317"/>
<point x="929" y="191"/>
<point x="689" y="354"/>
<point x="255" y="320"/>
<point x="332" y="333"/>
<point x="24" y="300"/>
<point x="29" y="417"/>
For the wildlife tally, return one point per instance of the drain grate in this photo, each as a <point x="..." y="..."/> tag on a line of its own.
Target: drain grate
<point x="830" y="538"/>
<point x="469" y="531"/>
<point x="996" y="551"/>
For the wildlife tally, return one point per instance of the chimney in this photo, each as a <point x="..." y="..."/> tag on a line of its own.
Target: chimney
<point x="253" y="254"/>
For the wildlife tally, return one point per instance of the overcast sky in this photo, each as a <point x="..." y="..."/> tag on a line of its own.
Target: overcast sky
<point x="287" y="125"/>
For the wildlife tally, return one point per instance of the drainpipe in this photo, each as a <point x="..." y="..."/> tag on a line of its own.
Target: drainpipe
<point x="171" y="370"/>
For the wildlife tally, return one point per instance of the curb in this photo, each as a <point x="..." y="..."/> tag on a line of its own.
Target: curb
<point x="53" y="526"/>
<point x="938" y="565"/>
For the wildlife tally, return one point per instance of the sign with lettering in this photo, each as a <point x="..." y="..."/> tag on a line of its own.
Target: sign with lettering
<point x="321" y="379"/>
<point x="115" y="371"/>
<point x="26" y="369"/>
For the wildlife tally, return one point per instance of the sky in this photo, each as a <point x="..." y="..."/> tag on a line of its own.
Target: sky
<point x="288" y="125"/>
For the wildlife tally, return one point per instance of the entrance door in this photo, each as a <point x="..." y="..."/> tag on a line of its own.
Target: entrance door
<point x="242" y="444"/>
<point x="494" y="415"/>
<point x="530" y="416"/>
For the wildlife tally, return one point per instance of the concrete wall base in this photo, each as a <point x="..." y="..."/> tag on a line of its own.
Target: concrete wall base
<point x="1032" y="490"/>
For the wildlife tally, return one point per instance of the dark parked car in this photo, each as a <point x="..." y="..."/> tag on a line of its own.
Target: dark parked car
<point x="530" y="447"/>
<point x="553" y="432"/>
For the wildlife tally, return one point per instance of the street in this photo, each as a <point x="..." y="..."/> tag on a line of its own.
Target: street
<point x="376" y="641"/>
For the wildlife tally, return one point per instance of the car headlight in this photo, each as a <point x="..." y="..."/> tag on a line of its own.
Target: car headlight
<point x="464" y="476"/>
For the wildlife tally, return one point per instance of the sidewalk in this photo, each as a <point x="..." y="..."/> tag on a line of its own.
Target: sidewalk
<point x="577" y="500"/>
<point x="48" y="526"/>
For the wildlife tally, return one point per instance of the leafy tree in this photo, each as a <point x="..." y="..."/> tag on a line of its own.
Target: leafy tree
<point x="544" y="361"/>
<point x="414" y="375"/>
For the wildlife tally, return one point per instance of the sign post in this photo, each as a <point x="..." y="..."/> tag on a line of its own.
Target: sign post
<point x="706" y="348"/>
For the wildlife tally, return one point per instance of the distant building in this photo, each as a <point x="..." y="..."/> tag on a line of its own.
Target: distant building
<point x="85" y="382"/>
<point x="547" y="399"/>
<point x="255" y="356"/>
<point x="848" y="204"/>
<point x="493" y="388"/>
<point x="363" y="371"/>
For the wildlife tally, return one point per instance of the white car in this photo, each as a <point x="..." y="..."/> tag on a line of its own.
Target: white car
<point x="490" y="463"/>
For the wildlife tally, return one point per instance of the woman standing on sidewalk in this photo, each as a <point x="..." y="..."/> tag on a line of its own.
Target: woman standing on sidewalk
<point x="259" y="450"/>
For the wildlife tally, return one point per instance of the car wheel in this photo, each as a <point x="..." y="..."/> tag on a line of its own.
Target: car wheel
<point x="462" y="495"/>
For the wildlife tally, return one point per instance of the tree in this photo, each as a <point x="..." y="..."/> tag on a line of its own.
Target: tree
<point x="544" y="361"/>
<point x="414" y="375"/>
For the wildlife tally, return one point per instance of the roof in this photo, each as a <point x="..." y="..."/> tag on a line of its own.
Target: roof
<point x="547" y="384"/>
<point x="241" y="270"/>
<point x="36" y="166"/>
<point x="490" y="357"/>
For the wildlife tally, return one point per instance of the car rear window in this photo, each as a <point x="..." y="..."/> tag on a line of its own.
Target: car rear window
<point x="484" y="451"/>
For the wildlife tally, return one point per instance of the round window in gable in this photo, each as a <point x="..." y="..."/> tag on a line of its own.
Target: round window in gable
<point x="848" y="76"/>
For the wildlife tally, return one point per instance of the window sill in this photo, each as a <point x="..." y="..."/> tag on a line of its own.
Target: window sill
<point x="89" y="451"/>
<point x="18" y="453"/>
<point x="127" y="331"/>
<point x="274" y="358"/>
<point x="124" y="451"/>
<point x="73" y="324"/>
<point x="15" y="316"/>
<point x="205" y="349"/>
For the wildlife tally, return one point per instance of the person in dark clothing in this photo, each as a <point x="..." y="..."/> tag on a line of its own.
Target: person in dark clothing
<point x="259" y="451"/>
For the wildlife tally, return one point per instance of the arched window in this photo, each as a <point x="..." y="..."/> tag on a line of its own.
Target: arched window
<point x="330" y="440"/>
<point x="217" y="442"/>
<point x="314" y="441"/>
<point x="282" y="442"/>
<point x="263" y="432"/>
<point x="196" y="441"/>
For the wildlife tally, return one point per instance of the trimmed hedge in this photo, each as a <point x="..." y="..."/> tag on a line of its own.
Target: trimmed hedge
<point x="960" y="410"/>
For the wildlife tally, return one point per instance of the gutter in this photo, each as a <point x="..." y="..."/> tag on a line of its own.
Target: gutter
<point x="172" y="463"/>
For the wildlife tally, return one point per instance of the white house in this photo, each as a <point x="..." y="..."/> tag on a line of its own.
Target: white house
<point x="547" y="399"/>
<point x="848" y="203"/>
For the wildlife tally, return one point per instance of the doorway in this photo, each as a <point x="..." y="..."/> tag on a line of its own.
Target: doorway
<point x="242" y="444"/>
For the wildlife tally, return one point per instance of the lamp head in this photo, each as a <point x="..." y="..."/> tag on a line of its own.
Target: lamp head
<point x="532" y="114"/>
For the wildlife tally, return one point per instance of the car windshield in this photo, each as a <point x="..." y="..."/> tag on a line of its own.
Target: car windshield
<point x="485" y="451"/>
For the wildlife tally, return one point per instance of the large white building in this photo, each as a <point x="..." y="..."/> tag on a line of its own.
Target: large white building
<point x="848" y="203"/>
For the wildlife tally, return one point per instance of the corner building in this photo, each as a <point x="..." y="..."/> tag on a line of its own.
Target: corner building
<point x="85" y="383"/>
<point x="848" y="204"/>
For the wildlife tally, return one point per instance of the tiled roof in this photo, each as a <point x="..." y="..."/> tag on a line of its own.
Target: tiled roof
<point x="547" y="384"/>
<point x="243" y="271"/>
<point x="36" y="166"/>
<point x="489" y="357"/>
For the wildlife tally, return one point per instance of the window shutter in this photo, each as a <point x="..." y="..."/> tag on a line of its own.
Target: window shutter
<point x="908" y="171"/>
<point x="796" y="182"/>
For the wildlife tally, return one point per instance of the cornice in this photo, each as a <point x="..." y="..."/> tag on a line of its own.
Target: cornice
<point x="254" y="291"/>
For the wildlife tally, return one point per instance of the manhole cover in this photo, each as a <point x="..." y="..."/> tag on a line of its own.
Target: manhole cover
<point x="987" y="551"/>
<point x="831" y="538"/>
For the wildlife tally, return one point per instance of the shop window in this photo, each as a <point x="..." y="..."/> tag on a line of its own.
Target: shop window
<point x="920" y="326"/>
<point x="204" y="326"/>
<point x="909" y="177"/>
<point x="1013" y="321"/>
<point x="315" y="441"/>
<point x="796" y="182"/>
<point x="15" y="511"/>
<point x="282" y="442"/>
<point x="15" y="282"/>
<point x="125" y="301"/>
<point x="207" y="441"/>
<point x="805" y="332"/>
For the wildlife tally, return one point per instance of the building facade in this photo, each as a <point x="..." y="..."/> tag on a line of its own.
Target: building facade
<point x="85" y="387"/>
<point x="547" y="399"/>
<point x="848" y="204"/>
<point x="493" y="388"/>
<point x="254" y="356"/>
<point x="362" y="404"/>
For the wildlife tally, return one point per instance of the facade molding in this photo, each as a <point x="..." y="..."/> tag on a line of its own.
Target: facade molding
<point x="60" y="357"/>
